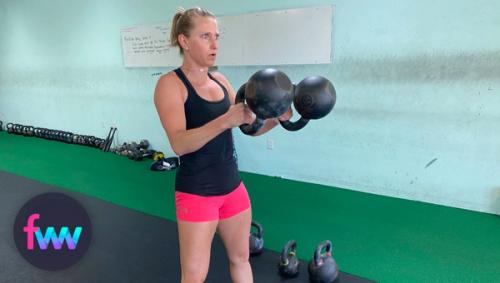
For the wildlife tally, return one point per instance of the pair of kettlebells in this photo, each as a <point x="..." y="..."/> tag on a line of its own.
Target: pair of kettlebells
<point x="269" y="93"/>
<point x="322" y="267"/>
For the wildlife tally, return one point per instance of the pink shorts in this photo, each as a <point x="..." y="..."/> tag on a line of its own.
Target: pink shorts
<point x="195" y="208"/>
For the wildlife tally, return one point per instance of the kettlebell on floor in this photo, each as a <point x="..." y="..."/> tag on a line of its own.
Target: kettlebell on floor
<point x="256" y="240"/>
<point x="322" y="267"/>
<point x="288" y="266"/>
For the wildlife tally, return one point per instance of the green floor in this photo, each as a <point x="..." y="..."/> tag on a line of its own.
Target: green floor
<point x="384" y="239"/>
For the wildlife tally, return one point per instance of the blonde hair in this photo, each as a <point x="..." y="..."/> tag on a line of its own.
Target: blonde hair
<point x="182" y="23"/>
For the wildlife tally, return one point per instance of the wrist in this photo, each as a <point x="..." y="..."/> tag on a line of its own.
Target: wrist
<point x="224" y="122"/>
<point x="274" y="121"/>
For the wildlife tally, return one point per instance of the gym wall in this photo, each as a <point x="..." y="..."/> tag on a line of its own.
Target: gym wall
<point x="417" y="85"/>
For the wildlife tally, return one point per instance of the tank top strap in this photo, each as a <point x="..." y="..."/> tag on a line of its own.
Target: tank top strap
<point x="220" y="84"/>
<point x="184" y="80"/>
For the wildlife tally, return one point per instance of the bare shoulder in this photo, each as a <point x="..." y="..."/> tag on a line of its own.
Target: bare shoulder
<point x="220" y="77"/>
<point x="167" y="80"/>
<point x="168" y="85"/>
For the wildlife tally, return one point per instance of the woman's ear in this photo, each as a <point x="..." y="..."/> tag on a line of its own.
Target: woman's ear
<point x="182" y="39"/>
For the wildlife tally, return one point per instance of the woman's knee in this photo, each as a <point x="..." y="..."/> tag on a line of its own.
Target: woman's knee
<point x="194" y="273"/>
<point x="240" y="257"/>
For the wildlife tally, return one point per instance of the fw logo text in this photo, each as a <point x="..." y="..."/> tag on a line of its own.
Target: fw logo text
<point x="50" y="235"/>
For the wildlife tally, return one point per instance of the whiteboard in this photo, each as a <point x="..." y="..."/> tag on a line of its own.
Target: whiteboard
<point x="283" y="37"/>
<point x="148" y="46"/>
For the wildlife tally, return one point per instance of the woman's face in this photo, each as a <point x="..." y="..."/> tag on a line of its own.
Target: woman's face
<point x="202" y="43"/>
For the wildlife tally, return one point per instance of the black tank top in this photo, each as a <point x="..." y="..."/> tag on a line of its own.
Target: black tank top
<point x="211" y="170"/>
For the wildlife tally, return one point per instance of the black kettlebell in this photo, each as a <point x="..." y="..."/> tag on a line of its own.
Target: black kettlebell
<point x="323" y="268"/>
<point x="268" y="93"/>
<point x="314" y="98"/>
<point x="288" y="266"/>
<point x="256" y="240"/>
<point x="10" y="128"/>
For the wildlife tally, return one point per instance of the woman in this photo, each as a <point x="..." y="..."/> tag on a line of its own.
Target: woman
<point x="197" y="111"/>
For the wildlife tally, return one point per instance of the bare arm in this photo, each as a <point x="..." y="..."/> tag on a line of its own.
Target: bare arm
<point x="169" y="102"/>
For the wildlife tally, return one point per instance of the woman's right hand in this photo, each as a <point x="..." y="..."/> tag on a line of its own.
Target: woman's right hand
<point x="239" y="114"/>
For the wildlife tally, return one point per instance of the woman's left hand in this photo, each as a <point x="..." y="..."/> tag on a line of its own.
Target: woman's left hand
<point x="286" y="116"/>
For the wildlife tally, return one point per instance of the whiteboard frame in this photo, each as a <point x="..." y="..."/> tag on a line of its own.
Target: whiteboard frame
<point x="282" y="37"/>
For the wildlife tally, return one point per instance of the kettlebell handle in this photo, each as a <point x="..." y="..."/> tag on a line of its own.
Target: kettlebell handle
<point x="248" y="129"/>
<point x="294" y="126"/>
<point x="289" y="249"/>
<point x="297" y="125"/>
<point x="327" y="245"/>
<point x="260" y="231"/>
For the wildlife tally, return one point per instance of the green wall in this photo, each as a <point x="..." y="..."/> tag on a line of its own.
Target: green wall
<point x="418" y="86"/>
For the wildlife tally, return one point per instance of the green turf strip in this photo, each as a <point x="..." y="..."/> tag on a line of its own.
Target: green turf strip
<point x="381" y="238"/>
